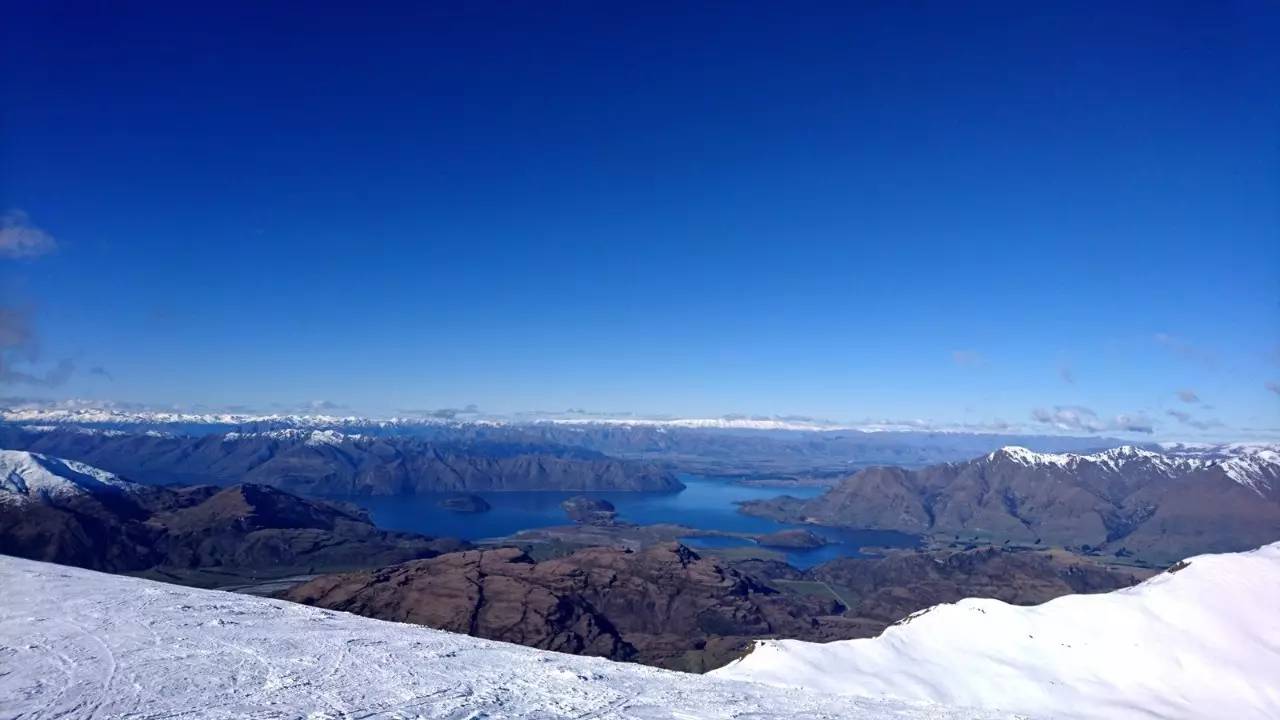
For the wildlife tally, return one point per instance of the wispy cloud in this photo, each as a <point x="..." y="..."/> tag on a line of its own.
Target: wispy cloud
<point x="309" y="407"/>
<point x="53" y="376"/>
<point x="1076" y="418"/>
<point x="20" y="352"/>
<point x="440" y="413"/>
<point x="19" y="239"/>
<point x="968" y="358"/>
<point x="1189" y="420"/>
<point x="100" y="372"/>
<point x="1188" y="396"/>
<point x="1185" y="350"/>
<point x="1067" y="374"/>
<point x="1273" y="386"/>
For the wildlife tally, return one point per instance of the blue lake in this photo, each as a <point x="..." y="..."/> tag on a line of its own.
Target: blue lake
<point x="705" y="503"/>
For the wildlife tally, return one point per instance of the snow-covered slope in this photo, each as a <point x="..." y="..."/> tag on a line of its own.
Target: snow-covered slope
<point x="28" y="477"/>
<point x="1257" y="467"/>
<point x="1201" y="642"/>
<point x="80" y="644"/>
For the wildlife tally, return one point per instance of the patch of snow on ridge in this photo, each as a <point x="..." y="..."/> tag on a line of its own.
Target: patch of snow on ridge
<point x="78" y="643"/>
<point x="313" y="438"/>
<point x="1029" y="457"/>
<point x="1113" y="459"/>
<point x="1257" y="470"/>
<point x="1203" y="641"/>
<point x="26" y="476"/>
<point x="1253" y="466"/>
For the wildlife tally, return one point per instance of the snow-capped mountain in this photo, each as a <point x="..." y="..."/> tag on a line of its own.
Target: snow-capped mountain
<point x="32" y="477"/>
<point x="77" y="643"/>
<point x="1130" y="501"/>
<point x="1202" y="640"/>
<point x="96" y="416"/>
<point x="1256" y="466"/>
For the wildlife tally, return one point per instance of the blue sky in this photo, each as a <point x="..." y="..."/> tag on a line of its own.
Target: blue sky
<point x="895" y="211"/>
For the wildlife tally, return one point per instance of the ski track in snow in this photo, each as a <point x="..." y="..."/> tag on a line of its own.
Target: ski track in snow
<point x="78" y="644"/>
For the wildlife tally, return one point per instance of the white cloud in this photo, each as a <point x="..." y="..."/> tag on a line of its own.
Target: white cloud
<point x="1075" y="418"/>
<point x="19" y="239"/>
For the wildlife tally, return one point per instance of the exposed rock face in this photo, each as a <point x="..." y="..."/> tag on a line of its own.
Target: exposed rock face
<point x="322" y="462"/>
<point x="465" y="504"/>
<point x="792" y="539"/>
<point x="56" y="511"/>
<point x="664" y="606"/>
<point x="1128" y="500"/>
<point x="589" y="511"/>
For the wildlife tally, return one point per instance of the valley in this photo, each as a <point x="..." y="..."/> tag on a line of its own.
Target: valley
<point x="686" y="576"/>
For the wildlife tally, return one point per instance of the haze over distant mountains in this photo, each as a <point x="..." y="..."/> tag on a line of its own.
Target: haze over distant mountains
<point x="327" y="462"/>
<point x="727" y="446"/>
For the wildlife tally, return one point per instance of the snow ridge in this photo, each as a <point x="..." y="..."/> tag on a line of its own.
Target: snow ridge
<point x="1254" y="466"/>
<point x="314" y="438"/>
<point x="1200" y="641"/>
<point x="30" y="477"/>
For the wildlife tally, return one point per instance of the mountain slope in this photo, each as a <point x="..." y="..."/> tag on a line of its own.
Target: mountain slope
<point x="1160" y="506"/>
<point x="76" y="643"/>
<point x="1201" y="640"/>
<point x="327" y="462"/>
<point x="664" y="606"/>
<point x="70" y="513"/>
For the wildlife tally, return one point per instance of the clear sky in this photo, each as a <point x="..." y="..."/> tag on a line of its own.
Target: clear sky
<point x="1045" y="214"/>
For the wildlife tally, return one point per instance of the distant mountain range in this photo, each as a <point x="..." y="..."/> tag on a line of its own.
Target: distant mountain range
<point x="332" y="463"/>
<point x="1127" y="500"/>
<point x="725" y="446"/>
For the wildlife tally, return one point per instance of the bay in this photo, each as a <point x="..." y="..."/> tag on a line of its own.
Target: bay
<point x="705" y="503"/>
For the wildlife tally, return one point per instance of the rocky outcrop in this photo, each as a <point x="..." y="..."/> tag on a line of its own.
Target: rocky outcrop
<point x="329" y="463"/>
<point x="665" y="606"/>
<point x="52" y="513"/>
<point x="1125" y="501"/>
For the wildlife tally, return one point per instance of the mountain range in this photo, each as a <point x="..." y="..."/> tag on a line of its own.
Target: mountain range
<point x="1126" y="501"/>
<point x="70" y="513"/>
<point x="725" y="446"/>
<point x="332" y="463"/>
<point x="664" y="605"/>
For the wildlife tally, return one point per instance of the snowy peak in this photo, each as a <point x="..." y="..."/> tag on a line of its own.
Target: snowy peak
<point x="1254" y="466"/>
<point x="1202" y="636"/>
<point x="1113" y="458"/>
<point x="314" y="438"/>
<point x="29" y="477"/>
